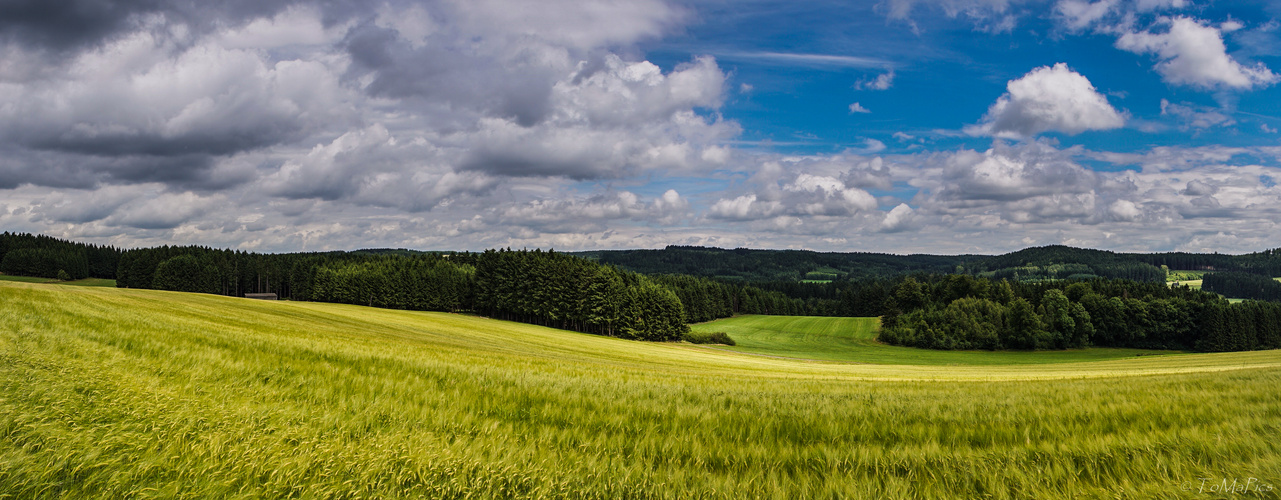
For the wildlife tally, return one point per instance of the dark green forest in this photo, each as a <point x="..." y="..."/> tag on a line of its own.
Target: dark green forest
<point x="1242" y="286"/>
<point x="964" y="312"/>
<point x="747" y="265"/>
<point x="48" y="257"/>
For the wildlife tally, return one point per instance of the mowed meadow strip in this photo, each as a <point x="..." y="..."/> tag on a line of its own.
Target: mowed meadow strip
<point x="115" y="393"/>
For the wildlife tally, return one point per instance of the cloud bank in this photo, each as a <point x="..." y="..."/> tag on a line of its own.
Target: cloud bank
<point x="286" y="126"/>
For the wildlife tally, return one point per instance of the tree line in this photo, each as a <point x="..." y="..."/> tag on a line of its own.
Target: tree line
<point x="964" y="312"/>
<point x="1051" y="262"/>
<point x="426" y="282"/>
<point x="48" y="257"/>
<point x="563" y="291"/>
<point x="1242" y="285"/>
<point x="545" y="288"/>
<point x="705" y="299"/>
<point x="208" y="270"/>
<point x="746" y="265"/>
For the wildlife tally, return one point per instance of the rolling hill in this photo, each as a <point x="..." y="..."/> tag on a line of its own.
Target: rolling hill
<point x="138" y="393"/>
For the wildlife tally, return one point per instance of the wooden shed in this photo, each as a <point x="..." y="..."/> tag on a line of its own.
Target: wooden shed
<point x="261" y="296"/>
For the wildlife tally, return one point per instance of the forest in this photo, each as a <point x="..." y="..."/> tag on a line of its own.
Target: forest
<point x="1031" y="264"/>
<point x="48" y="257"/>
<point x="964" y="312"/>
<point x="1242" y="285"/>
<point x="748" y="265"/>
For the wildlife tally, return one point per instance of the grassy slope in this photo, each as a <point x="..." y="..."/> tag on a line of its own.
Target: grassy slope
<point x="99" y="282"/>
<point x="26" y="279"/>
<point x="852" y="340"/>
<point x="96" y="282"/>
<point x="134" y="393"/>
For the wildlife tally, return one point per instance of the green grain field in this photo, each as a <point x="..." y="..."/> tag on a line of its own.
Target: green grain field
<point x="111" y="393"/>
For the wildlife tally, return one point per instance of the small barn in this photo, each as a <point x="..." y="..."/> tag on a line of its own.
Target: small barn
<point x="261" y="296"/>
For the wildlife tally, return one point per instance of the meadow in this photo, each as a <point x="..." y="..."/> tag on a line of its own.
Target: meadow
<point x="122" y="393"/>
<point x="853" y="340"/>
<point x="98" y="282"/>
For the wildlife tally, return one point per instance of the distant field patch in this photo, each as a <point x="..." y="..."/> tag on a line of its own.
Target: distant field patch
<point x="1185" y="275"/>
<point x="853" y="340"/>
<point x="99" y="282"/>
<point x="822" y="275"/>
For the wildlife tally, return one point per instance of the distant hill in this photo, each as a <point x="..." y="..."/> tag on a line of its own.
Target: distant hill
<point x="775" y="265"/>
<point x="37" y="255"/>
<point x="404" y="252"/>
<point x="1048" y="262"/>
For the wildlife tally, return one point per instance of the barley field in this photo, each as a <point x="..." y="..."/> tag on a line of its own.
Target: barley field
<point x="111" y="393"/>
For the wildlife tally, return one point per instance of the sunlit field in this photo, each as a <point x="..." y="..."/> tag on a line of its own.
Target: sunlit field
<point x="112" y="393"/>
<point x="853" y="340"/>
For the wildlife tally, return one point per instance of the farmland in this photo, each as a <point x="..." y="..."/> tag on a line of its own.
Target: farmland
<point x="146" y="394"/>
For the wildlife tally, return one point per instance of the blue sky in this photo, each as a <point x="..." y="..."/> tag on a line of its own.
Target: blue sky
<point x="948" y="126"/>
<point x="947" y="71"/>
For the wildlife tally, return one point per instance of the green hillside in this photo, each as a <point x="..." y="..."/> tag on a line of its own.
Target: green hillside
<point x="853" y="340"/>
<point x="99" y="282"/>
<point x="121" y="393"/>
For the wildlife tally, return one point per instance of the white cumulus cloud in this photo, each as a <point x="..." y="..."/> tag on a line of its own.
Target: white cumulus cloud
<point x="1125" y="210"/>
<point x="898" y="218"/>
<point x="1192" y="53"/>
<point x="1048" y="99"/>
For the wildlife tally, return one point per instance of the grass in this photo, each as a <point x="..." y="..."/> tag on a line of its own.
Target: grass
<point x="853" y="340"/>
<point x="99" y="282"/>
<point x="96" y="282"/>
<point x="26" y="279"/>
<point x="114" y="393"/>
